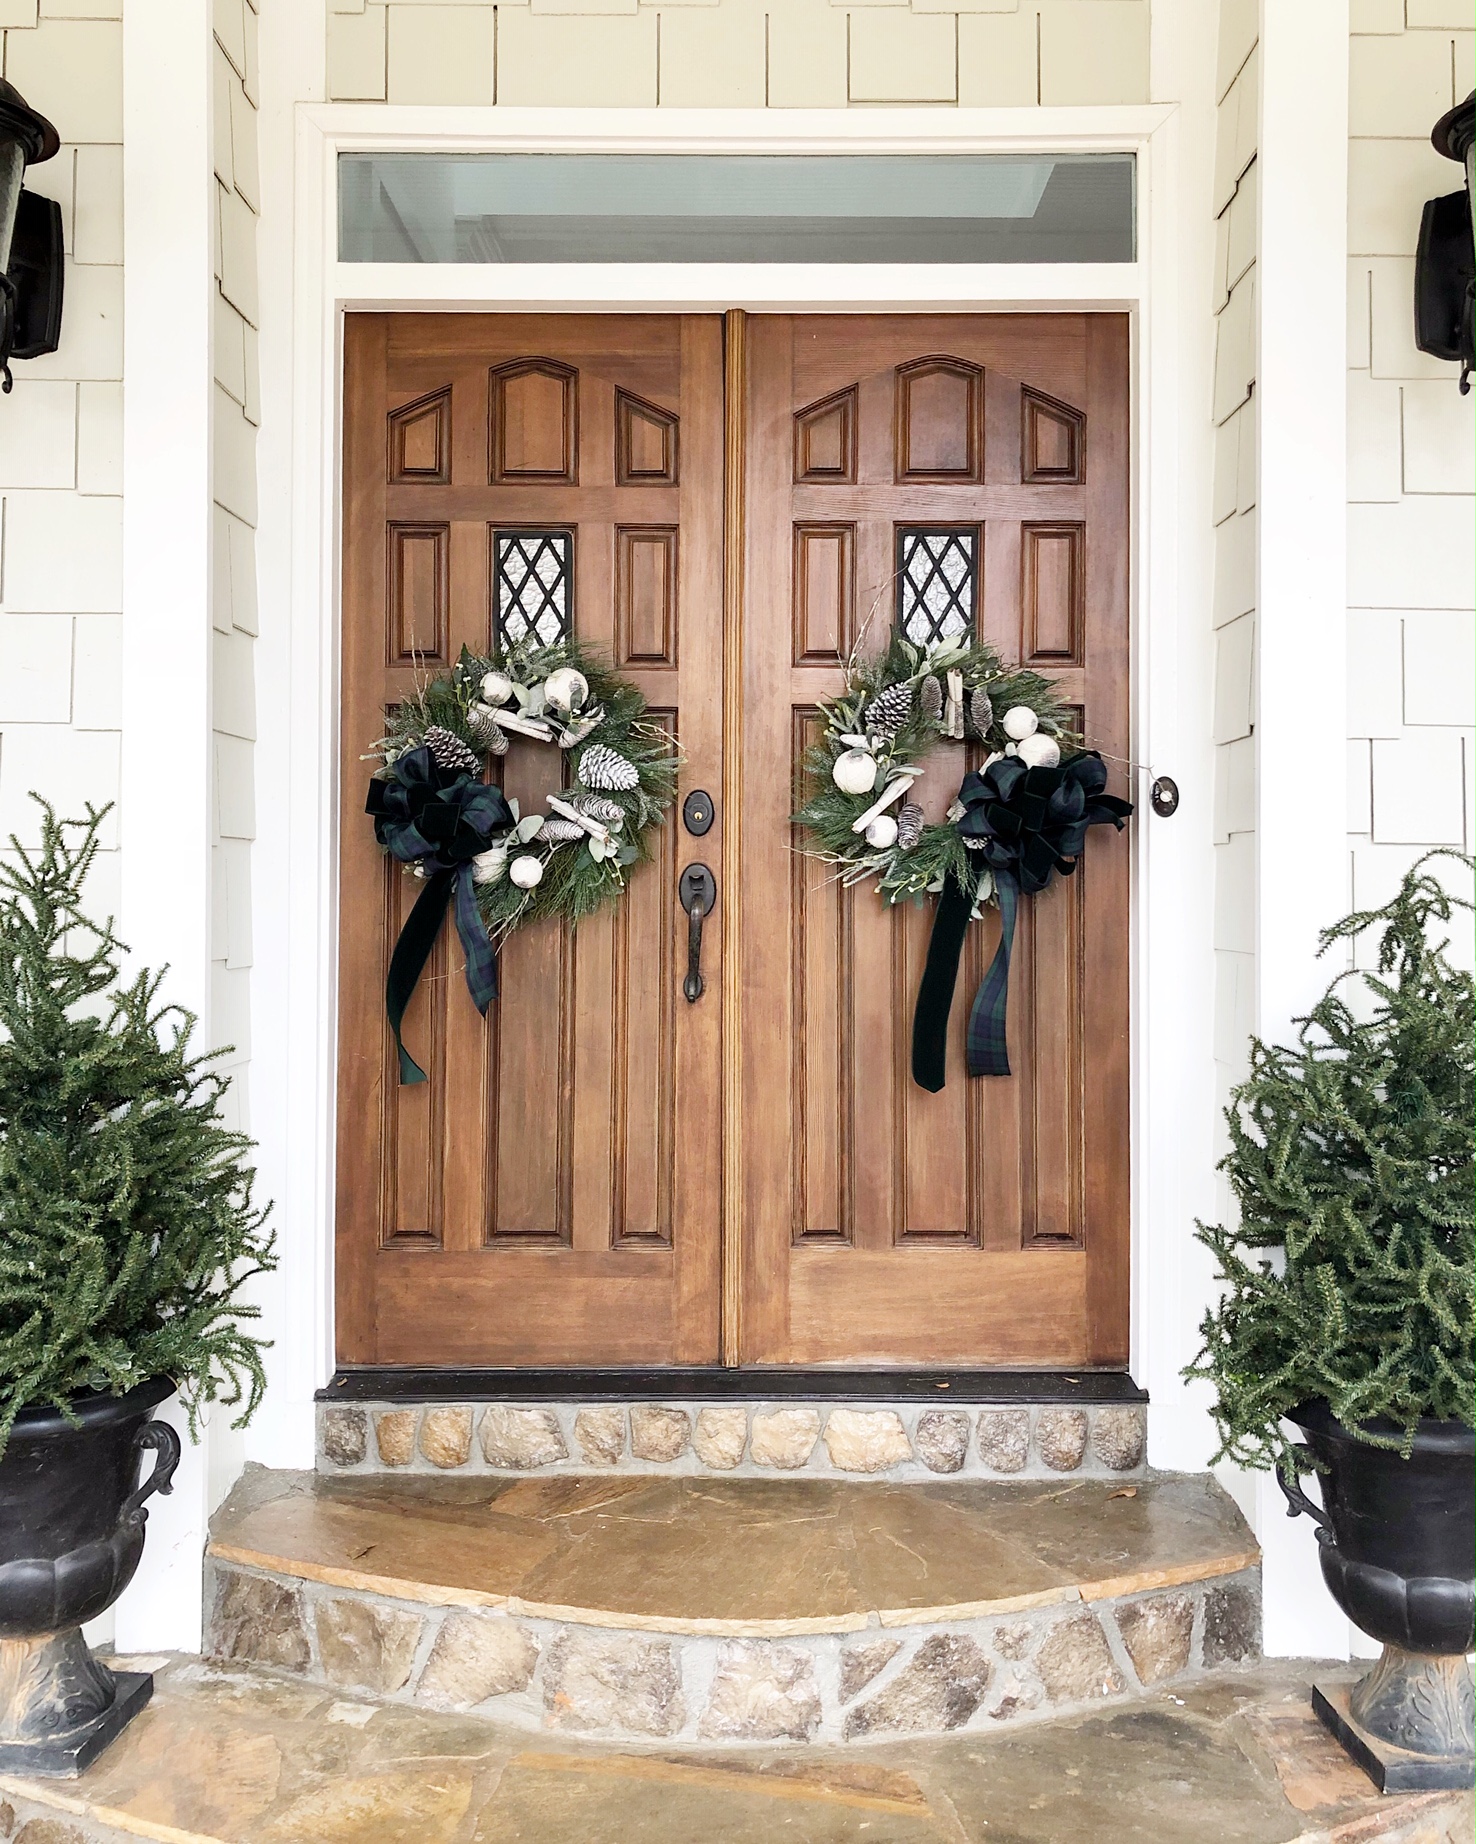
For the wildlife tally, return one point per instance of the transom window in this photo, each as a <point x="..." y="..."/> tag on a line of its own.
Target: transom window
<point x="937" y="582"/>
<point x="532" y="573"/>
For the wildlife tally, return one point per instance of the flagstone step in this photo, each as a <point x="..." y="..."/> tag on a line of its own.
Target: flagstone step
<point x="817" y="1437"/>
<point x="741" y="1610"/>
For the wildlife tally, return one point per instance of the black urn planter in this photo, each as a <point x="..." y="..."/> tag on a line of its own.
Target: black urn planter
<point x="1397" y="1543"/>
<point x="71" y="1533"/>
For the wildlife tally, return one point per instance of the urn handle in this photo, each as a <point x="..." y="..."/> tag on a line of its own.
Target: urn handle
<point x="1297" y="1502"/>
<point x="159" y="1436"/>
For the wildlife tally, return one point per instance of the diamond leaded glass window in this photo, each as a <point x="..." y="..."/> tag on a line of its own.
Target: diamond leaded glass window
<point x="533" y="580"/>
<point x="937" y="582"/>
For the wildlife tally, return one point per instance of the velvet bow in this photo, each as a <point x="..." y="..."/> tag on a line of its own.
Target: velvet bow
<point x="1026" y="823"/>
<point x="441" y="819"/>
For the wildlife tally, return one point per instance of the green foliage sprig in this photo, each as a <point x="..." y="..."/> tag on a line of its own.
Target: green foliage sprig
<point x="1351" y="1158"/>
<point x="127" y="1227"/>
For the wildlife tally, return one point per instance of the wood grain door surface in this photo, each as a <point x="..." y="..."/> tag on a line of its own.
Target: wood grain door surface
<point x="554" y="1194"/>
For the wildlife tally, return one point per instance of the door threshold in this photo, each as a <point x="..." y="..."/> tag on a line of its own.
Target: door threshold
<point x="750" y="1383"/>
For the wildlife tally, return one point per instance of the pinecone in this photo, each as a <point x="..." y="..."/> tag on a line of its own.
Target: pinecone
<point x="603" y="767"/>
<point x="487" y="733"/>
<point x="930" y="696"/>
<point x="449" y="752"/>
<point x="555" y="831"/>
<point x="607" y="812"/>
<point x="888" y="711"/>
<point x="910" y="819"/>
<point x="981" y="711"/>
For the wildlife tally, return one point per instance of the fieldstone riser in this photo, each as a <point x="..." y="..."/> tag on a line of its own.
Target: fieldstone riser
<point x="898" y="1441"/>
<point x="649" y="1685"/>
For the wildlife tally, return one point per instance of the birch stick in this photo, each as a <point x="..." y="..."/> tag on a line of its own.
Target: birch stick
<point x="593" y="827"/>
<point x="894" y="791"/>
<point x="526" y="726"/>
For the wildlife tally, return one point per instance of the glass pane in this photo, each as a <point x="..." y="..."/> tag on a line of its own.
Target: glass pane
<point x="531" y="572"/>
<point x="906" y="208"/>
<point x="937" y="581"/>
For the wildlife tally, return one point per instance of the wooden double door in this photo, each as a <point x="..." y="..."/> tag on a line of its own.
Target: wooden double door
<point x="601" y="1173"/>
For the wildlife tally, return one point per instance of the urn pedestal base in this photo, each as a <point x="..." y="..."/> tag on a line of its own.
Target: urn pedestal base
<point x="63" y="1707"/>
<point x="1407" y="1723"/>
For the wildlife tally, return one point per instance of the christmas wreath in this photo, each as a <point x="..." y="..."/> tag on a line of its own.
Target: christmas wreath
<point x="498" y="867"/>
<point x="1018" y="818"/>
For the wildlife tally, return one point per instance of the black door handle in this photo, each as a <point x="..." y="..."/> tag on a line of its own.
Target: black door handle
<point x="697" y="892"/>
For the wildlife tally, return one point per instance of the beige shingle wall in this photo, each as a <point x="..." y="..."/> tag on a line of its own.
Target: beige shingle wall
<point x="738" y="53"/>
<point x="1410" y="447"/>
<point x="1233" y="613"/>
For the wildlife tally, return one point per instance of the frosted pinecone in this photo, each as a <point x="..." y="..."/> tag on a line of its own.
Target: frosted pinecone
<point x="559" y="832"/>
<point x="910" y="819"/>
<point x="888" y="711"/>
<point x="981" y="711"/>
<point x="930" y="696"/>
<point x="597" y="807"/>
<point x="603" y="767"/>
<point x="449" y="751"/>
<point x="486" y="732"/>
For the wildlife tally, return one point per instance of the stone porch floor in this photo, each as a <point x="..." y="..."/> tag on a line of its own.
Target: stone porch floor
<point x="227" y="1755"/>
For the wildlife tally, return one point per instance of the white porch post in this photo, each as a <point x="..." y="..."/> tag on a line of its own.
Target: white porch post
<point x="165" y="806"/>
<point x="1301" y="385"/>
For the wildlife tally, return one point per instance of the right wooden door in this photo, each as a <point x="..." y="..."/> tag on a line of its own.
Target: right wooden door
<point x="987" y="1224"/>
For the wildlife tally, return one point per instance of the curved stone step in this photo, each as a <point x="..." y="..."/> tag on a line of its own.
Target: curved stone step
<point x="738" y="1610"/>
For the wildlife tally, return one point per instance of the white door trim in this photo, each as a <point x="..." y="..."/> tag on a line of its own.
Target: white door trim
<point x="298" y="550"/>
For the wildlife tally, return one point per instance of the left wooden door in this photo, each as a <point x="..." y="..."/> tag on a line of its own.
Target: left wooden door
<point x="551" y="1195"/>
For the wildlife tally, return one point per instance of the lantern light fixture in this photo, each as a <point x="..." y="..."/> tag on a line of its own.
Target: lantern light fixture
<point x="1445" y="261"/>
<point x="30" y="248"/>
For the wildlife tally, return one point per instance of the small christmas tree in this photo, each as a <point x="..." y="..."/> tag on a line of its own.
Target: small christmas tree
<point x="127" y="1227"/>
<point x="1351" y="1155"/>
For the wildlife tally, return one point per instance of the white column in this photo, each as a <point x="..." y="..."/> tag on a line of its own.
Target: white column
<point x="165" y="806"/>
<point x="1301" y="386"/>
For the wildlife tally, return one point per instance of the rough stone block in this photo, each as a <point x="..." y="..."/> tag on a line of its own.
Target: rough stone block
<point x="445" y="1437"/>
<point x="50" y="1831"/>
<point x="941" y="1439"/>
<point x="659" y="1433"/>
<point x="601" y="1435"/>
<point x="939" y="1687"/>
<point x="784" y="1437"/>
<point x="1060" y="1438"/>
<point x="260" y="1621"/>
<point x="1015" y="1697"/>
<point x="1004" y="1439"/>
<point x="719" y="1437"/>
<point x="861" y="1663"/>
<point x="394" y="1434"/>
<point x="866" y="1440"/>
<point x="476" y="1657"/>
<point x="1074" y="1662"/>
<point x="603" y="1681"/>
<point x="522" y="1438"/>
<point x="1014" y="1640"/>
<point x="1117" y="1438"/>
<point x="363" y="1646"/>
<point x="1156" y="1633"/>
<point x="345" y="1435"/>
<point x="762" y="1692"/>
<point x="1232" y="1623"/>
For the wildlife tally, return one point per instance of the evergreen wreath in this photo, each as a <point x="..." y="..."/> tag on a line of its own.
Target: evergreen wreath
<point x="1018" y="820"/>
<point x="503" y="868"/>
<point x="1351" y="1162"/>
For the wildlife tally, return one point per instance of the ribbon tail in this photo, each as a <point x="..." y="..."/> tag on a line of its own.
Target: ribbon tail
<point x="935" y="992"/>
<point x="988" y="1049"/>
<point x="481" y="956"/>
<point x="412" y="951"/>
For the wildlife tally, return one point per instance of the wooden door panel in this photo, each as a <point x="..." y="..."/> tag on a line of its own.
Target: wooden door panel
<point x="534" y="1201"/>
<point x="986" y="1224"/>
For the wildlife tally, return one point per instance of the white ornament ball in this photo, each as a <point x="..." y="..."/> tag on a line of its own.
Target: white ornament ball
<point x="1020" y="721"/>
<point x="1038" y="751"/>
<point x="881" y="834"/>
<point x="526" y="872"/>
<point x="488" y="866"/>
<point x="565" y="689"/>
<point x="854" y="772"/>
<point x="497" y="687"/>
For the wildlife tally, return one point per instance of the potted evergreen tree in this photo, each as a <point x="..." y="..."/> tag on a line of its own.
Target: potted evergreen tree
<point x="1347" y="1310"/>
<point x="127" y="1231"/>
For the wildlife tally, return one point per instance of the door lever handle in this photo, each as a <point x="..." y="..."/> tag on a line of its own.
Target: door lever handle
<point x="697" y="892"/>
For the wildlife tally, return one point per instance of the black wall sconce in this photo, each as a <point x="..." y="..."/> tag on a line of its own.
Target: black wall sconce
<point x="1445" y="262"/>
<point x="31" y="259"/>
